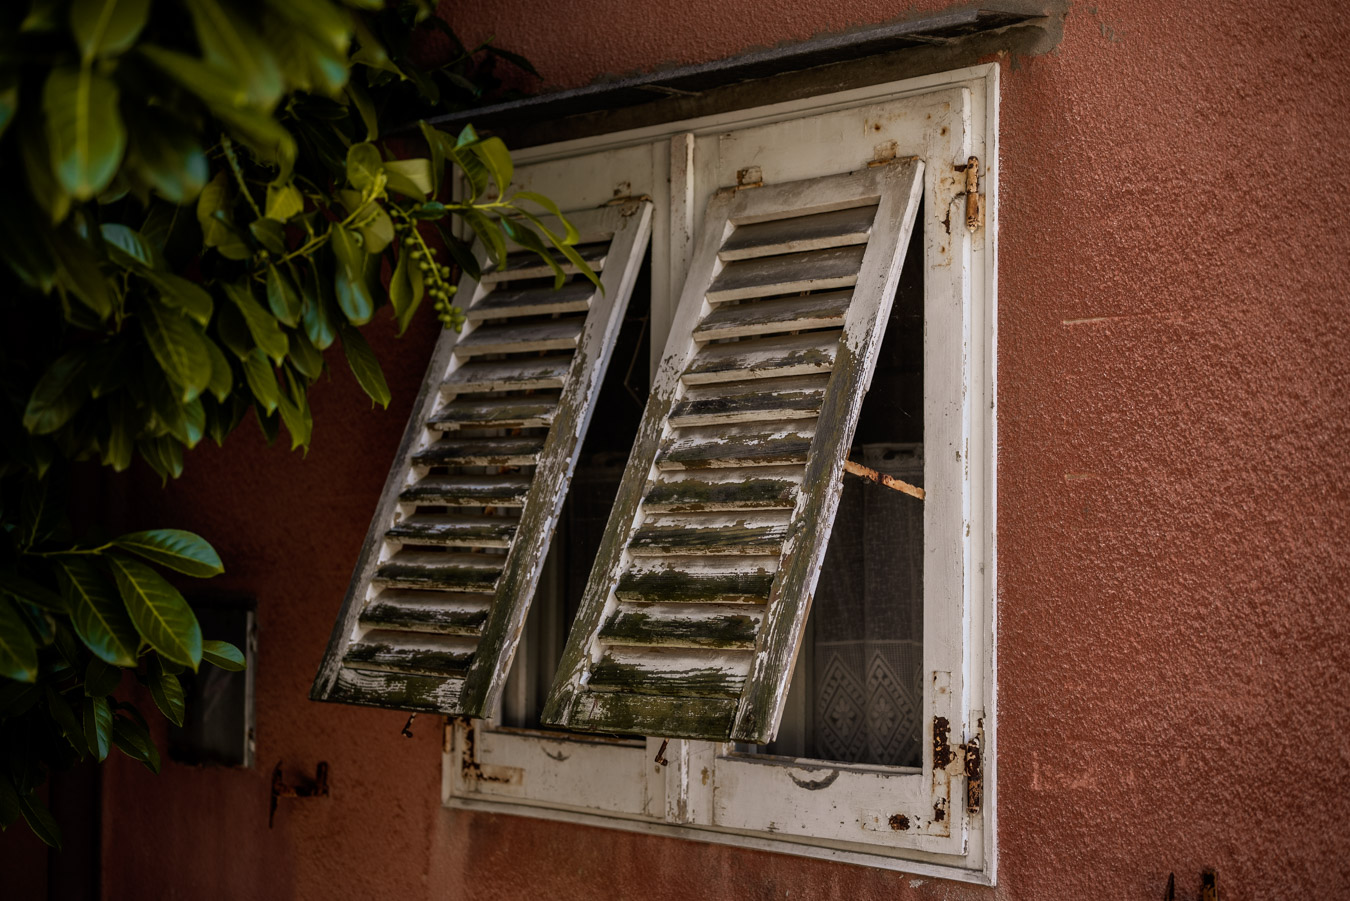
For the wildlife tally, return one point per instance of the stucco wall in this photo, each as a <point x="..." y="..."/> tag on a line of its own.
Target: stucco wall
<point x="1174" y="635"/>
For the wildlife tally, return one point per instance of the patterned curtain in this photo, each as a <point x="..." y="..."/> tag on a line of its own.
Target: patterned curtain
<point x="867" y="691"/>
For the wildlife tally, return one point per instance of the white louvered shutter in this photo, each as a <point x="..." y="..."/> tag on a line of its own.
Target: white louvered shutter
<point x="450" y="563"/>
<point x="695" y="607"/>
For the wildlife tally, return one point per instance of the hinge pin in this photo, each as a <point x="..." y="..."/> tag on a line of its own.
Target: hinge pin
<point x="973" y="193"/>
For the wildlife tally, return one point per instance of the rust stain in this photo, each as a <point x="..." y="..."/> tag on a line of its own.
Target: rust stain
<point x="705" y="775"/>
<point x="942" y="750"/>
<point x="899" y="822"/>
<point x="974" y="775"/>
<point x="940" y="810"/>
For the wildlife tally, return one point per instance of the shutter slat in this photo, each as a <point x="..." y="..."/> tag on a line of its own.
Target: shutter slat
<point x="817" y="231"/>
<point x="428" y="611"/>
<point x="506" y="338"/>
<point x="520" y="266"/>
<point x="723" y="489"/>
<point x="507" y="302"/>
<point x="756" y="400"/>
<point x="511" y="412"/>
<point x="454" y="530"/>
<point x="762" y="358"/>
<point x="447" y="572"/>
<point x="426" y="624"/>
<point x="683" y="625"/>
<point x="756" y="444"/>
<point x="703" y="533"/>
<point x="764" y="317"/>
<point x="473" y="491"/>
<point x="481" y="452"/>
<point x="741" y="451"/>
<point x="411" y="652"/>
<point x="671" y="673"/>
<point x="745" y="580"/>
<point x="815" y="270"/>
<point x="516" y="374"/>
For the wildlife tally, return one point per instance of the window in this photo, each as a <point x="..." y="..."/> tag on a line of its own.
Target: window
<point x="876" y="745"/>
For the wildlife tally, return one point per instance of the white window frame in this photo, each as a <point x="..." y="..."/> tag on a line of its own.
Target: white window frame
<point x="769" y="804"/>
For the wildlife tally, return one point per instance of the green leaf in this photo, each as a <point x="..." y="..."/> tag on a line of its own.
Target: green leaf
<point x="177" y="549"/>
<point x="295" y="414"/>
<point x="9" y="99"/>
<point x="567" y="250"/>
<point x="262" y="326"/>
<point x="411" y="178"/>
<point x="9" y="799"/>
<point x="307" y="360"/>
<point x="167" y="692"/>
<point x="284" y="201"/>
<point x="98" y="725"/>
<point x="107" y="27"/>
<point x="29" y="591"/>
<point x="360" y="101"/>
<point x="133" y="740"/>
<point x="497" y="158"/>
<point x="65" y="717"/>
<point x="349" y="284"/>
<point x="18" y="651"/>
<point x="224" y="655"/>
<point x="222" y="378"/>
<point x="525" y="237"/>
<point x="161" y="615"/>
<point x="101" y="679"/>
<point x="166" y="156"/>
<point x="262" y="380"/>
<point x="283" y="298"/>
<point x="190" y="298"/>
<point x="364" y="167"/>
<point x="127" y="247"/>
<point x="165" y="456"/>
<point x="489" y="231"/>
<point x="84" y="129"/>
<point x="364" y="365"/>
<point x="472" y="167"/>
<point x="371" y="52"/>
<point x="319" y="326"/>
<point x="270" y="233"/>
<point x="40" y="819"/>
<point x="179" y="348"/>
<point x="571" y="235"/>
<point x="214" y="216"/>
<point x="118" y="450"/>
<point x="232" y="45"/>
<point x="57" y="395"/>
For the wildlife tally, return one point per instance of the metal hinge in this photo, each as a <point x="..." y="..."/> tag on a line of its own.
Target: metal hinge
<point x="974" y="775"/>
<point x="973" y="199"/>
<point x="971" y="760"/>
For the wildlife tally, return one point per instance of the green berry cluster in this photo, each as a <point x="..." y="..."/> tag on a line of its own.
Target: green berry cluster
<point x="436" y="278"/>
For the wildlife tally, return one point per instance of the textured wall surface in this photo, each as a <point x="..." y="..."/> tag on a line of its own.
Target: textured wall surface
<point x="1174" y="634"/>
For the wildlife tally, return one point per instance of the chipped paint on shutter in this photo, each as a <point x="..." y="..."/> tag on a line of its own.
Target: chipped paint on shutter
<point x="450" y="563"/>
<point x="693" y="614"/>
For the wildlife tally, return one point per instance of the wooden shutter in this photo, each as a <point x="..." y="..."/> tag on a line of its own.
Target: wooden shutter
<point x="444" y="581"/>
<point x="695" y="607"/>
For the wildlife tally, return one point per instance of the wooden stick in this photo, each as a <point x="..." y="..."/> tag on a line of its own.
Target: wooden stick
<point x="882" y="479"/>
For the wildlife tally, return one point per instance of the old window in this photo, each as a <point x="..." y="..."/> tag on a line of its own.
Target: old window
<point x="876" y="747"/>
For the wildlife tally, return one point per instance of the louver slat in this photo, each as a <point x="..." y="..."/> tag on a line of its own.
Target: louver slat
<point x="733" y="481"/>
<point x="444" y="580"/>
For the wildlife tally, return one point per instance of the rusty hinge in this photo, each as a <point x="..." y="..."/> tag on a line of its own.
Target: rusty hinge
<point x="972" y="171"/>
<point x="972" y="760"/>
<point x="974" y="775"/>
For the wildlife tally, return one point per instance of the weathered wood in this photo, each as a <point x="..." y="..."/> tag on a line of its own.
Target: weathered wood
<point x="815" y="270"/>
<point x="527" y="265"/>
<point x="510" y="412"/>
<point x="683" y="625"/>
<point x="516" y="338"/>
<point x="410" y="652"/>
<point x="753" y="401"/>
<point x="454" y="530"/>
<point x="795" y="234"/>
<point x="710" y="533"/>
<point x="698" y="581"/>
<point x="723" y="489"/>
<point x="625" y="714"/>
<point x="398" y="691"/>
<point x="450" y="613"/>
<point x="446" y="572"/>
<point x="468" y="491"/>
<point x="756" y="444"/>
<point x="776" y="356"/>
<point x="682" y="673"/>
<point x="882" y="478"/>
<point x="451" y="451"/>
<point x="515" y="374"/>
<point x="507" y="302"/>
<point x="767" y="317"/>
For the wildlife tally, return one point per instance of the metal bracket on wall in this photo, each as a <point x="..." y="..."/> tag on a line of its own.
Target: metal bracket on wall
<point x="318" y="788"/>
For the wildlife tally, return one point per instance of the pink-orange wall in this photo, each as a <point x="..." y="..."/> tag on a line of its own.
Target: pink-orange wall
<point x="1174" y="391"/>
